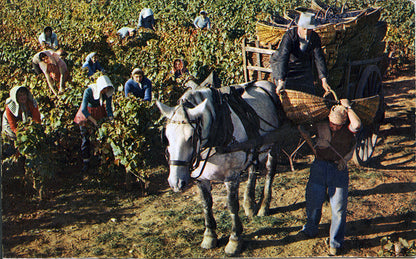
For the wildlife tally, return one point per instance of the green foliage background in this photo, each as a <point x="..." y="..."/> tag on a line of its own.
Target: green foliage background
<point x="86" y="26"/>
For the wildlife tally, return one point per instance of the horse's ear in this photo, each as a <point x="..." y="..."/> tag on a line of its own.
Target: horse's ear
<point x="165" y="110"/>
<point x="191" y="84"/>
<point x="198" y="110"/>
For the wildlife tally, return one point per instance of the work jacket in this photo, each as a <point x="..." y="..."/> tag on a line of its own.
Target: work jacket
<point x="294" y="66"/>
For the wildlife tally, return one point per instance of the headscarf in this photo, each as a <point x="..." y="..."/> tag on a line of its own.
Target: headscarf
<point x="89" y="57"/>
<point x="338" y="115"/>
<point x="14" y="105"/>
<point x="102" y="82"/>
<point x="147" y="12"/>
<point x="47" y="28"/>
<point x="137" y="71"/>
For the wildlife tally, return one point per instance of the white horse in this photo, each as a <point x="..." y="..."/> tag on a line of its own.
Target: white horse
<point x="214" y="134"/>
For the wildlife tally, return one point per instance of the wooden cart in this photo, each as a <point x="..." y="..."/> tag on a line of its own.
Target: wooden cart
<point x="351" y="78"/>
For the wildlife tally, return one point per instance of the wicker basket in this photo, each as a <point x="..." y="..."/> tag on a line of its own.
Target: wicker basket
<point x="302" y="107"/>
<point x="270" y="34"/>
<point x="366" y="108"/>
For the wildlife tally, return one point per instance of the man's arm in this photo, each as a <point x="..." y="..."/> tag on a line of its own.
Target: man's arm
<point x="355" y="122"/>
<point x="148" y="92"/>
<point x="279" y="61"/>
<point x="321" y="63"/>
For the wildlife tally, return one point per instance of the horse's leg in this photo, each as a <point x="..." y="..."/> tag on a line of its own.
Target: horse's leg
<point x="250" y="192"/>
<point x="210" y="237"/>
<point x="267" y="192"/>
<point x="235" y="242"/>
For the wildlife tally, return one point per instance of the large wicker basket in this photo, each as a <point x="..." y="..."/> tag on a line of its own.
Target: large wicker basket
<point x="303" y="108"/>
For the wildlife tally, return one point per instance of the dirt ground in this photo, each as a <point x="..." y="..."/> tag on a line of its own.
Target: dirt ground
<point x="82" y="219"/>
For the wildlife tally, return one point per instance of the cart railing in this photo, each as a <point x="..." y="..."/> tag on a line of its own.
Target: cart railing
<point x="258" y="66"/>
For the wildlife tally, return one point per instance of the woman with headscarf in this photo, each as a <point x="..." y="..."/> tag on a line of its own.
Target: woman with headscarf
<point x="92" y="63"/>
<point x="179" y="68"/>
<point x="96" y="105"/>
<point x="48" y="39"/>
<point x="53" y="67"/>
<point x="146" y="19"/>
<point x="138" y="85"/>
<point x="202" y="21"/>
<point x="19" y="107"/>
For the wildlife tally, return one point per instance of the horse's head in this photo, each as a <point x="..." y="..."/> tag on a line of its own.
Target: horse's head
<point x="183" y="132"/>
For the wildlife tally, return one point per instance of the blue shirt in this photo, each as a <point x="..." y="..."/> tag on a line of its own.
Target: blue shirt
<point x="142" y="90"/>
<point x="89" y="101"/>
<point x="92" y="67"/>
<point x="202" y="23"/>
<point x="52" y="41"/>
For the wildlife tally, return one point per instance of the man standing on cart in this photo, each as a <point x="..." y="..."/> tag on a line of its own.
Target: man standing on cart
<point x="292" y="64"/>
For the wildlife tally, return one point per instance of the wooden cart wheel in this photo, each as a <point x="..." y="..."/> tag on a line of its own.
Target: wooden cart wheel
<point x="370" y="84"/>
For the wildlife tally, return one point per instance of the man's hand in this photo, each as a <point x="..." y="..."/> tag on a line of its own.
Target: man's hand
<point x="342" y="164"/>
<point x="280" y="86"/>
<point x="325" y="85"/>
<point x="346" y="103"/>
<point x="93" y="121"/>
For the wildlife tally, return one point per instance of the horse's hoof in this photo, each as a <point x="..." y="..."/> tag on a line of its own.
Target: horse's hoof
<point x="263" y="212"/>
<point x="209" y="242"/>
<point x="233" y="247"/>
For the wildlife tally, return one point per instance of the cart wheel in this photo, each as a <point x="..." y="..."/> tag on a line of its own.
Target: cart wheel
<point x="370" y="84"/>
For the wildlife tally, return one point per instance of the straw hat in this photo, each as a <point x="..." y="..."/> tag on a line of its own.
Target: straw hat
<point x="307" y="20"/>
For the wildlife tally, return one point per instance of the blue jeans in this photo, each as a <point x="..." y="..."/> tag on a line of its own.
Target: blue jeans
<point x="325" y="178"/>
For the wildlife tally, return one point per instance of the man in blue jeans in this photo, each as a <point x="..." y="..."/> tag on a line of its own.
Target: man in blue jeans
<point x="329" y="174"/>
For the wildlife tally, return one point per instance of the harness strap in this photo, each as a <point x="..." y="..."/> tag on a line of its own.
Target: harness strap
<point x="178" y="162"/>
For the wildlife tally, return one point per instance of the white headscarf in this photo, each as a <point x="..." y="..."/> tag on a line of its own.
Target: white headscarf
<point x="147" y="12"/>
<point x="102" y="82"/>
<point x="13" y="104"/>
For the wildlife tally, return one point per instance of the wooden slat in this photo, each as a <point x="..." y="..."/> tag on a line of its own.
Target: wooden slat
<point x="258" y="59"/>
<point x="262" y="69"/>
<point x="259" y="50"/>
<point x="245" y="60"/>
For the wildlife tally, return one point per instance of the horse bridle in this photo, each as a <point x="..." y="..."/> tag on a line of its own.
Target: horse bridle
<point x="196" y="144"/>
